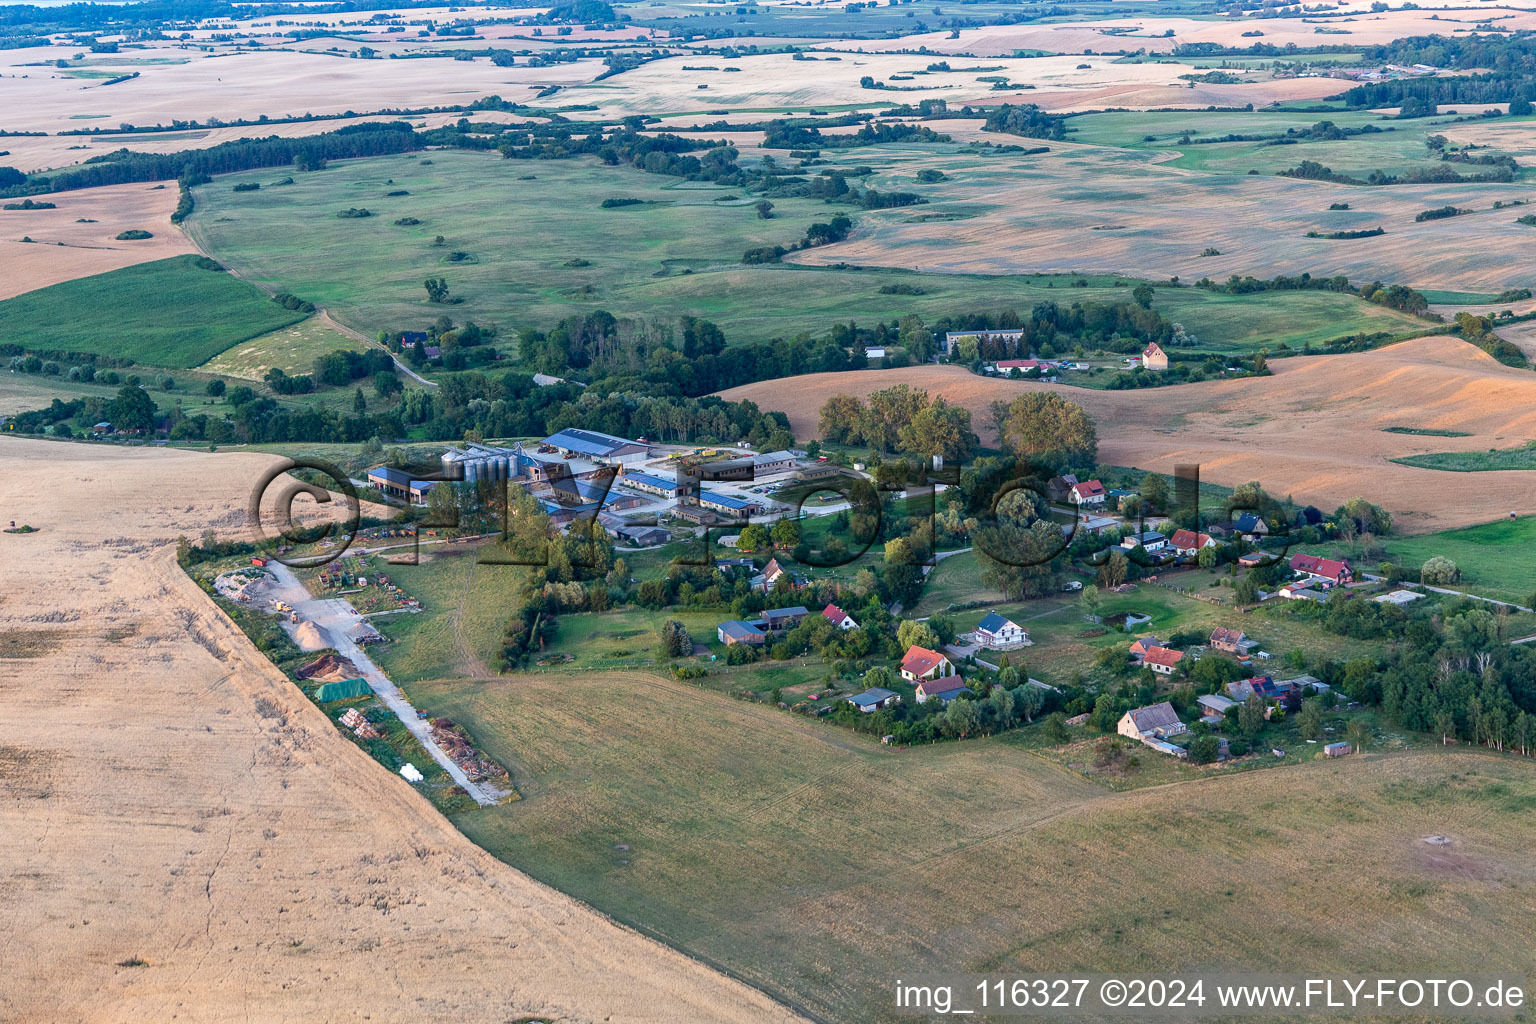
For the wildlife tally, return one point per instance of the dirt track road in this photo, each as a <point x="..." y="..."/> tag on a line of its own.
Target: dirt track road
<point x="186" y="836"/>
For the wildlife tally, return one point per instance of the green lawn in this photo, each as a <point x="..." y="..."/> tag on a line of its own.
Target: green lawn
<point x="168" y="313"/>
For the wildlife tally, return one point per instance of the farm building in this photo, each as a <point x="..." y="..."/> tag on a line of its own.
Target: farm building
<point x="1153" y="722"/>
<point x="920" y="663"/>
<point x="737" y="632"/>
<point x="1214" y="707"/>
<point x="780" y="619"/>
<point x="1328" y="570"/>
<point x="773" y="462"/>
<point x="643" y="536"/>
<point x="1162" y="660"/>
<point x="839" y="618"/>
<point x="945" y="688"/>
<point x="874" y="351"/>
<point x="997" y="632"/>
<point x="597" y="446"/>
<point x="724" y="504"/>
<point x="874" y="698"/>
<point x="398" y="484"/>
<point x="1094" y="524"/>
<point x="652" y="484"/>
<point x="1153" y="357"/>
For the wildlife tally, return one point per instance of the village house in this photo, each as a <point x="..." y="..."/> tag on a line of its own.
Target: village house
<point x="839" y="618"/>
<point x="919" y="663"/>
<point x="1094" y="524"/>
<point x="1148" y="540"/>
<point x="1254" y="559"/>
<point x="1154" y="722"/>
<point x="736" y="632"/>
<point x="1329" y="571"/>
<point x="1087" y="492"/>
<point x="1142" y="645"/>
<point x="945" y="688"/>
<point x="1058" y="487"/>
<point x="874" y="698"/>
<point x="1232" y="641"/>
<point x="997" y="633"/>
<point x="1188" y="543"/>
<point x="1162" y="660"/>
<point x="772" y="573"/>
<point x="1251" y="526"/>
<point x="1153" y="357"/>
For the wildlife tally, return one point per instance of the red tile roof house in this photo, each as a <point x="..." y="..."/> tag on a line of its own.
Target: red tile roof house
<point x="1087" y="492"/>
<point x="1188" y="543"/>
<point x="945" y="688"/>
<point x="1336" y="573"/>
<point x="1153" y="357"/>
<point x="920" y="663"/>
<point x="839" y="618"/>
<point x="1144" y="644"/>
<point x="1162" y="660"/>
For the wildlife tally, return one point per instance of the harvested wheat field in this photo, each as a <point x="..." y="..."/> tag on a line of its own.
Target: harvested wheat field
<point x="1131" y="34"/>
<point x="79" y="237"/>
<point x="277" y="82"/>
<point x="1106" y="210"/>
<point x="194" y="839"/>
<point x="1316" y="430"/>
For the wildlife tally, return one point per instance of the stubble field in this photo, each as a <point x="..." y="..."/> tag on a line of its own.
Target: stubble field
<point x="192" y="837"/>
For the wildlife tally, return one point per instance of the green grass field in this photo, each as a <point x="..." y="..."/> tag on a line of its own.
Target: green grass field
<point x="168" y="313"/>
<point x="1523" y="457"/>
<point x="1496" y="559"/>
<point x="679" y="255"/>
<point x="820" y="866"/>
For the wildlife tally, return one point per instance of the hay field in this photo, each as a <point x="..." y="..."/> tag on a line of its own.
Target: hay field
<point x="823" y="866"/>
<point x="63" y="248"/>
<point x="1101" y="210"/>
<point x="276" y="82"/>
<point x="291" y="349"/>
<point x="191" y="836"/>
<point x="1314" y="430"/>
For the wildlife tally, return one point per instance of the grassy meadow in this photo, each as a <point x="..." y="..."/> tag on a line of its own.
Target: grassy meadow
<point x="679" y="252"/>
<point x="169" y="313"/>
<point x="291" y="349"/>
<point x="819" y="865"/>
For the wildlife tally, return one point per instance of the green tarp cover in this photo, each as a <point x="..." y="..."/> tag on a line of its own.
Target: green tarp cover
<point x="344" y="690"/>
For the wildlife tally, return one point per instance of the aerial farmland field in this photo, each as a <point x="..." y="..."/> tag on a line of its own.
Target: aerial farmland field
<point x="787" y="512"/>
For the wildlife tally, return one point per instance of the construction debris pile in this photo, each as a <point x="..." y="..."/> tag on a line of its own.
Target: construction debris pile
<point x="245" y="587"/>
<point x="457" y="744"/>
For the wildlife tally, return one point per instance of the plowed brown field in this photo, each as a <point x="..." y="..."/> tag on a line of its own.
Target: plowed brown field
<point x="187" y="836"/>
<point x="1314" y="430"/>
